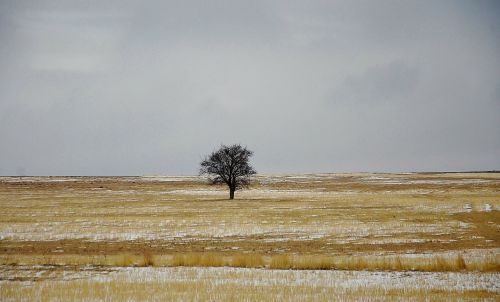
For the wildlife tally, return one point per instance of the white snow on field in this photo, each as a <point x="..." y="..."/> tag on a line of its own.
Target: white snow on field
<point x="36" y="179"/>
<point x="399" y="180"/>
<point x="171" y="178"/>
<point x="452" y="281"/>
<point x="384" y="179"/>
<point x="341" y="279"/>
<point x="153" y="228"/>
<point x="129" y="218"/>
<point x="199" y="192"/>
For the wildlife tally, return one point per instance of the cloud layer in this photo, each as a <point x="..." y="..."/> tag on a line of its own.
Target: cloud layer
<point x="148" y="87"/>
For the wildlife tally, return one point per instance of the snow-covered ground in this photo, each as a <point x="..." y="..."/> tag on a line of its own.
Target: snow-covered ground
<point x="252" y="277"/>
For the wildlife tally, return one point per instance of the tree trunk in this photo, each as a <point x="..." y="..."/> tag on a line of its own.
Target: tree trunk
<point x="231" y="193"/>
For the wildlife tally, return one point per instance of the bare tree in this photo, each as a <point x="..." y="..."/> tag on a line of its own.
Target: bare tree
<point x="229" y="165"/>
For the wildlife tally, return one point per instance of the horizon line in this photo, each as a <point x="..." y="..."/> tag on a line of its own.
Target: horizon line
<point x="270" y="174"/>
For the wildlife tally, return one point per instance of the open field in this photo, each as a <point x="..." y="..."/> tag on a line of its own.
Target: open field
<point x="304" y="237"/>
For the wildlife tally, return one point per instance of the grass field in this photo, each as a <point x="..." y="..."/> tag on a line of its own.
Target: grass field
<point x="415" y="236"/>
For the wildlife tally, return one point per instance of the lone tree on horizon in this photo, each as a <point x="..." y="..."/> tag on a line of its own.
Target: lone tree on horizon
<point x="229" y="165"/>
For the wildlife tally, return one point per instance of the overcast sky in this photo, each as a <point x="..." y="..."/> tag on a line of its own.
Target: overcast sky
<point x="149" y="87"/>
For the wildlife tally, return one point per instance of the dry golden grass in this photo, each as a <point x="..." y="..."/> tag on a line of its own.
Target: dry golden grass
<point x="280" y="262"/>
<point x="121" y="260"/>
<point x="247" y="260"/>
<point x="198" y="260"/>
<point x="424" y="263"/>
<point x="205" y="284"/>
<point x="353" y="222"/>
<point x="317" y="262"/>
<point x="148" y="259"/>
<point x="399" y="263"/>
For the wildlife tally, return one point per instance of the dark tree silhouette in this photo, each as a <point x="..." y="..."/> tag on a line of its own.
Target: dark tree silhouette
<point x="229" y="165"/>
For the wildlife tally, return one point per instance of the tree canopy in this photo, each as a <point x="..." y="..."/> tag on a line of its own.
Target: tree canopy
<point x="229" y="165"/>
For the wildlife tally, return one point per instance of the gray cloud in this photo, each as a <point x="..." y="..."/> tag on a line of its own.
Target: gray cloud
<point x="378" y="85"/>
<point x="127" y="87"/>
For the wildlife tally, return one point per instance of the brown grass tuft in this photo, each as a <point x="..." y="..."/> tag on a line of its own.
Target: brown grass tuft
<point x="211" y="260"/>
<point x="313" y="262"/>
<point x="247" y="260"/>
<point x="122" y="260"/>
<point x="460" y="262"/>
<point x="148" y="259"/>
<point x="280" y="262"/>
<point x="177" y="260"/>
<point x="198" y="259"/>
